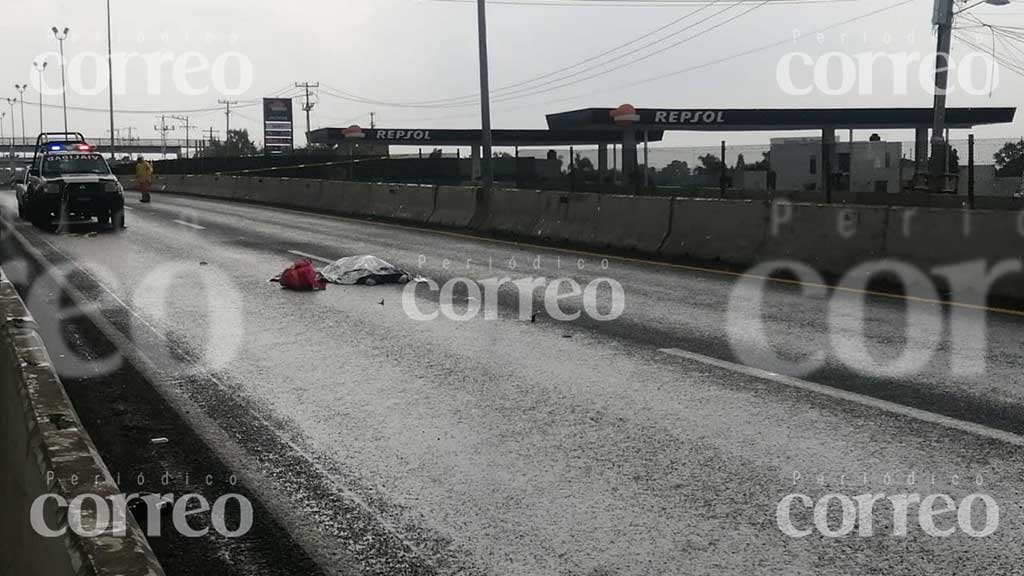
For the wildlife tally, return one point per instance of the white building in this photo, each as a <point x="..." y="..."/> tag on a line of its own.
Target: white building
<point x="872" y="166"/>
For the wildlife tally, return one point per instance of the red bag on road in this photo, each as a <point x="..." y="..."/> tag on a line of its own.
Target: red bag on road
<point x="301" y="276"/>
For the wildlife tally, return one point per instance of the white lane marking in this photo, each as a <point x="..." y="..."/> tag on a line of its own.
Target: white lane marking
<point x="885" y="405"/>
<point x="129" y="208"/>
<point x="190" y="225"/>
<point x="312" y="256"/>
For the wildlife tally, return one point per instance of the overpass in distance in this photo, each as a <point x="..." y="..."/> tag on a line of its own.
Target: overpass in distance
<point x="26" y="146"/>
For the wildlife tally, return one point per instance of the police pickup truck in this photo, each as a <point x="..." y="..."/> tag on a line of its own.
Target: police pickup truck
<point x="68" y="181"/>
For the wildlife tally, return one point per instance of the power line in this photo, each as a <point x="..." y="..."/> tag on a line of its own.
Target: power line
<point x="728" y="58"/>
<point x="695" y="67"/>
<point x="642" y="57"/>
<point x="471" y="99"/>
<point x="612" y="50"/>
<point x="560" y="83"/>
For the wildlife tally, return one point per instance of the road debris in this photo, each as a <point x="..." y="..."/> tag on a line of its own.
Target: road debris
<point x="302" y="277"/>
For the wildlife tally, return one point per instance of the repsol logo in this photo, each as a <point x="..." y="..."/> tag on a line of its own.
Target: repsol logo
<point x="689" y="117"/>
<point x="403" y="135"/>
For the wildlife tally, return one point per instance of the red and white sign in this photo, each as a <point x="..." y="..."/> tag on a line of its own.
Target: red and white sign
<point x="625" y="115"/>
<point x="354" y="132"/>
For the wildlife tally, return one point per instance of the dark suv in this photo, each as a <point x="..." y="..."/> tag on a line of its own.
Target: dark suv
<point x="68" y="181"/>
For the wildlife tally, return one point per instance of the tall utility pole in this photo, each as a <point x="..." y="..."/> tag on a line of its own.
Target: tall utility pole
<point x="61" y="36"/>
<point x="308" y="106"/>
<point x="943" y="20"/>
<point x="227" y="115"/>
<point x="188" y="128"/>
<point x="110" y="78"/>
<point x="163" y="128"/>
<point x="486" y="166"/>
<point x="40" y="68"/>
<point x="211" y="134"/>
<point x="21" y="93"/>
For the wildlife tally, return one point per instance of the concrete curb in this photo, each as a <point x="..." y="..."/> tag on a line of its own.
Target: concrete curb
<point x="43" y="450"/>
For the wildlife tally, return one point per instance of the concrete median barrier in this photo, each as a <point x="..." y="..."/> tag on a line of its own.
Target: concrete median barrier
<point x="829" y="238"/>
<point x="730" y="231"/>
<point x="42" y="449"/>
<point x="383" y="200"/>
<point x="250" y="189"/>
<point x="287" y="192"/>
<point x="415" y="203"/>
<point x="301" y="193"/>
<point x="513" y="212"/>
<point x="345" y="198"/>
<point x="933" y="238"/>
<point x="190" y="185"/>
<point x="161" y="183"/>
<point x="568" y="217"/>
<point x="454" y="206"/>
<point x="634" y="224"/>
<point x="222" y="187"/>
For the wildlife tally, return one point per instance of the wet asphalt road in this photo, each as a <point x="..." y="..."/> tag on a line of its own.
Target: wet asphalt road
<point x="527" y="445"/>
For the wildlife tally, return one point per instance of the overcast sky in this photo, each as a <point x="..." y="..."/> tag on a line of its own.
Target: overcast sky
<point x="423" y="50"/>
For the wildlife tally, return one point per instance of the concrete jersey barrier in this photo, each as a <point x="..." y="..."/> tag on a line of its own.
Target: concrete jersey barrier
<point x="345" y="198"/>
<point x="635" y="224"/>
<point x="829" y="238"/>
<point x="454" y="206"/>
<point x="717" y="230"/>
<point x="513" y="212"/>
<point x="287" y="192"/>
<point x="415" y="203"/>
<point x="42" y="447"/>
<point x="568" y="217"/>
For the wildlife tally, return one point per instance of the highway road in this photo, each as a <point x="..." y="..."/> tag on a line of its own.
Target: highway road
<point x="657" y="442"/>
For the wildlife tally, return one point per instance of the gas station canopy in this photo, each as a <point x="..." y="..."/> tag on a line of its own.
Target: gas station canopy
<point x="433" y="137"/>
<point x="741" y="120"/>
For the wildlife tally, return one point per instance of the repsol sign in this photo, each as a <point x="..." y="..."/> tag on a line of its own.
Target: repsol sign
<point x="418" y="135"/>
<point x="689" y="117"/>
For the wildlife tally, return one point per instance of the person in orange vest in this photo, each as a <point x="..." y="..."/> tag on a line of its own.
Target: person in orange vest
<point x="143" y="177"/>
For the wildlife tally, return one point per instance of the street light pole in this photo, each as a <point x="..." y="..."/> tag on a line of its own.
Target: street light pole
<point x="61" y="36"/>
<point x="110" y="77"/>
<point x="486" y="166"/>
<point x="40" y="68"/>
<point x="21" y="93"/>
<point x="10" y="102"/>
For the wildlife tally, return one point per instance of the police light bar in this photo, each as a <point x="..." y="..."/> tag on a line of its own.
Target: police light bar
<point x="56" y="147"/>
<point x="85" y="147"/>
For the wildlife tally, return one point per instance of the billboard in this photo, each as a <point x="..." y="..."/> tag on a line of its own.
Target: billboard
<point x="278" y="127"/>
